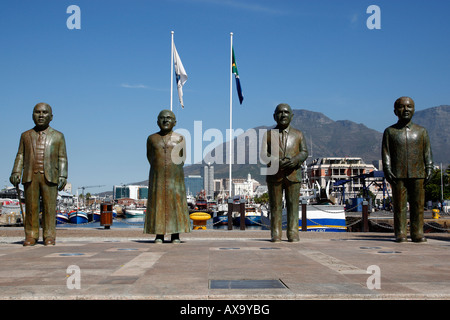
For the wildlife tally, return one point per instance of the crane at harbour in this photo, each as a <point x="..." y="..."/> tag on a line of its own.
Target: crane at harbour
<point x="87" y="187"/>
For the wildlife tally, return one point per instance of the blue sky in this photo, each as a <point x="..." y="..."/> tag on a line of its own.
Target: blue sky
<point x="108" y="80"/>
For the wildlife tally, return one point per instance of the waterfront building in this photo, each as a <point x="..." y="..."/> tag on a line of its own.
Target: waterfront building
<point x="328" y="170"/>
<point x="208" y="181"/>
<point x="135" y="192"/>
<point x="193" y="184"/>
<point x="242" y="187"/>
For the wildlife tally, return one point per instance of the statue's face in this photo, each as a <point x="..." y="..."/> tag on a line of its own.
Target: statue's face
<point x="404" y="109"/>
<point x="166" y="121"/>
<point x="42" y="115"/>
<point x="283" y="115"/>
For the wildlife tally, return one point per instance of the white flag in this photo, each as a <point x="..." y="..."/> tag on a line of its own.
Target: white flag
<point x="180" y="73"/>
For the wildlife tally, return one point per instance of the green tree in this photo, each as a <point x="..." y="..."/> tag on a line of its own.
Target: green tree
<point x="433" y="188"/>
<point x="264" y="198"/>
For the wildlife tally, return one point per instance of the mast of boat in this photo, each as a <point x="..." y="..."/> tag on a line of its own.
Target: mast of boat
<point x="78" y="204"/>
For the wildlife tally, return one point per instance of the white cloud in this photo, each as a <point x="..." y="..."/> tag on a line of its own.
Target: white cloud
<point x="254" y="7"/>
<point x="133" y="86"/>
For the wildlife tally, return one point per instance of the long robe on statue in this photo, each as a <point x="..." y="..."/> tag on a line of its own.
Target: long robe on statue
<point x="167" y="210"/>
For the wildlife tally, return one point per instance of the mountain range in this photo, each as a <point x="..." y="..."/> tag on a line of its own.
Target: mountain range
<point x="329" y="138"/>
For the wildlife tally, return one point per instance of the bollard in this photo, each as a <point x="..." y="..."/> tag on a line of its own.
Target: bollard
<point x="304" y="222"/>
<point x="199" y="220"/>
<point x="106" y="217"/>
<point x="242" y="211"/>
<point x="365" y="216"/>
<point x="436" y="214"/>
<point x="230" y="211"/>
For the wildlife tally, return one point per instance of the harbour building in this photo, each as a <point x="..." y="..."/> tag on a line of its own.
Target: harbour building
<point x="208" y="180"/>
<point x="135" y="192"/>
<point x="329" y="170"/>
<point x="194" y="184"/>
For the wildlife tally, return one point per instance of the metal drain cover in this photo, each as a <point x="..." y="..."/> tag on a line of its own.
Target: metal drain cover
<point x="246" y="284"/>
<point x="389" y="252"/>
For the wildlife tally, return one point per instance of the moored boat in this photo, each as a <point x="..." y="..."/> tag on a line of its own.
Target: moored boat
<point x="96" y="215"/>
<point x="62" y="218"/>
<point x="220" y="219"/>
<point x="252" y="216"/>
<point x="190" y="201"/>
<point x="221" y="215"/>
<point x="324" y="218"/>
<point x="78" y="217"/>
<point x="319" y="218"/>
<point x="135" y="213"/>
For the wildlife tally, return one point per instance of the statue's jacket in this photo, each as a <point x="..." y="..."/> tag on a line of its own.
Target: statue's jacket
<point x="406" y="151"/>
<point x="55" y="155"/>
<point x="293" y="147"/>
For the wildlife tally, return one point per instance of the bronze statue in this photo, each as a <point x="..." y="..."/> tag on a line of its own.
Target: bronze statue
<point x="42" y="162"/>
<point x="167" y="210"/>
<point x="407" y="166"/>
<point x="287" y="147"/>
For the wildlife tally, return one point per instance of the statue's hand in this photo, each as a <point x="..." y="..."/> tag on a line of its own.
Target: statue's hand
<point x="15" y="179"/>
<point x="429" y="176"/>
<point x="390" y="177"/>
<point x="289" y="163"/>
<point x="62" y="183"/>
<point x="286" y="163"/>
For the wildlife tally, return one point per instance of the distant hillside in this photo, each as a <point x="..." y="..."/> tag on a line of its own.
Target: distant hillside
<point x="324" y="136"/>
<point x="328" y="138"/>
<point x="337" y="138"/>
<point x="437" y="121"/>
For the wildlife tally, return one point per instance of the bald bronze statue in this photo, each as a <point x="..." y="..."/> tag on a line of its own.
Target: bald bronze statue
<point x="408" y="166"/>
<point x="41" y="161"/>
<point x="167" y="210"/>
<point x="286" y="146"/>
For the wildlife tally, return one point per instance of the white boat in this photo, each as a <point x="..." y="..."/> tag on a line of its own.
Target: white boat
<point x="190" y="201"/>
<point x="135" y="213"/>
<point x="324" y="218"/>
<point x="320" y="218"/>
<point x="221" y="214"/>
<point x="10" y="206"/>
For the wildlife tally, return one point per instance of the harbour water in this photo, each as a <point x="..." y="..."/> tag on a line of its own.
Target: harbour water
<point x="139" y="223"/>
<point x="379" y="222"/>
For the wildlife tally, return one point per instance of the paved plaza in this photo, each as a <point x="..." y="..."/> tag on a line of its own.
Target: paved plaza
<point x="94" y="263"/>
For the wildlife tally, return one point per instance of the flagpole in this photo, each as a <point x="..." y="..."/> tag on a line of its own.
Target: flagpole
<point x="171" y="74"/>
<point x="231" y="112"/>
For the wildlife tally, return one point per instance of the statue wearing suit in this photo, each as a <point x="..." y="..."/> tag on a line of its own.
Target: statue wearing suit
<point x="42" y="162"/>
<point x="408" y="166"/>
<point x="286" y="146"/>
